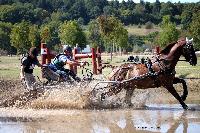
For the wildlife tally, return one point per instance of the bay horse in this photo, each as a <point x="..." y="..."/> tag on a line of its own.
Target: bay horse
<point x="160" y="73"/>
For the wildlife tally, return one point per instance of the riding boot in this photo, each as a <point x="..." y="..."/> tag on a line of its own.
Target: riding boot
<point x="73" y="75"/>
<point x="77" y="79"/>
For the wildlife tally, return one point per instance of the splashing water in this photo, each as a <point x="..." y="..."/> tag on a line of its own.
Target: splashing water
<point x="78" y="97"/>
<point x="65" y="96"/>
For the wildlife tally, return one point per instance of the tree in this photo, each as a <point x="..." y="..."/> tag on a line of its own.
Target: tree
<point x="16" y="13"/>
<point x="94" y="12"/>
<point x="188" y="11"/>
<point x="49" y="33"/>
<point x="34" y="36"/>
<point x="94" y="35"/>
<point x="166" y="9"/>
<point x="156" y="7"/>
<point x="169" y="32"/>
<point x="45" y="4"/>
<point x="130" y="4"/>
<point x="113" y="32"/>
<point x="114" y="3"/>
<point x="71" y="33"/>
<point x="150" y="39"/>
<point x="135" y="42"/>
<point x="45" y="34"/>
<point x="78" y="10"/>
<point x="5" y="30"/>
<point x="195" y="29"/>
<point x="20" y="37"/>
<point x="40" y="15"/>
<point x="108" y="10"/>
<point x="95" y="7"/>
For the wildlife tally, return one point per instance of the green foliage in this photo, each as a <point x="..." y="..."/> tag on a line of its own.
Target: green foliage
<point x="186" y="19"/>
<point x="40" y="11"/>
<point x="45" y="34"/>
<point x="16" y="13"/>
<point x="47" y="15"/>
<point x="5" y="30"/>
<point x="135" y="41"/>
<point x="167" y="9"/>
<point x="169" y="32"/>
<point x="151" y="38"/>
<point x="187" y="13"/>
<point x="113" y="31"/>
<point x="71" y="33"/>
<point x="94" y="35"/>
<point x="156" y="7"/>
<point x="34" y="35"/>
<point x="195" y="29"/>
<point x="49" y="33"/>
<point x="121" y="35"/>
<point x="41" y="16"/>
<point x="20" y="37"/>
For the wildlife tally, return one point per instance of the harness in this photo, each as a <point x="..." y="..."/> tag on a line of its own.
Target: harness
<point x="163" y="65"/>
<point x="59" y="64"/>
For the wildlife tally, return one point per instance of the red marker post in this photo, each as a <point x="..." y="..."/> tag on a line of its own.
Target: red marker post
<point x="43" y="53"/>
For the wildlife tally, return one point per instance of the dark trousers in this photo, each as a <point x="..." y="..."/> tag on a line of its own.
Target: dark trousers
<point x="70" y="73"/>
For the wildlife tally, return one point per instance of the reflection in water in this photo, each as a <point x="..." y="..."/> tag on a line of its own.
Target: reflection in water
<point x="11" y="127"/>
<point x="98" y="121"/>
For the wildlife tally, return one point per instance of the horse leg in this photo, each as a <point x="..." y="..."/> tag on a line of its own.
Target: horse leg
<point x="185" y="91"/>
<point x="129" y="93"/>
<point x="110" y="92"/>
<point x="172" y="90"/>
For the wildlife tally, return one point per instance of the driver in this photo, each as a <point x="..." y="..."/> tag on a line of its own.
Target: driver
<point x="58" y="63"/>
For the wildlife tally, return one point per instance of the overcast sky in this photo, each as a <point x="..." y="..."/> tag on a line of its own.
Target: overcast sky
<point x="173" y="1"/>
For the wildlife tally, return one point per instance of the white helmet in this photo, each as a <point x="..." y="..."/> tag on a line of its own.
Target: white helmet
<point x="67" y="48"/>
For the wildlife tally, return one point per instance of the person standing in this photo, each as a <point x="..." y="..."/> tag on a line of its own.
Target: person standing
<point x="28" y="63"/>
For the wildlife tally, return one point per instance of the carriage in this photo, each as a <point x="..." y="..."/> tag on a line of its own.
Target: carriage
<point x="159" y="71"/>
<point x="156" y="72"/>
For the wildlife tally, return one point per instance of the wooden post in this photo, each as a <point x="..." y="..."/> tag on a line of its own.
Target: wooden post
<point x="43" y="53"/>
<point x="99" y="63"/>
<point x="94" y="63"/>
<point x="74" y="68"/>
<point x="157" y="49"/>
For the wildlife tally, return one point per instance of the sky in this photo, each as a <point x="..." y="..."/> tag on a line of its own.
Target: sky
<point x="173" y="1"/>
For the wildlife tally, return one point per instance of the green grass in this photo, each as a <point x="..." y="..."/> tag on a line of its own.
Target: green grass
<point x="10" y="67"/>
<point x="185" y="70"/>
<point x="134" y="30"/>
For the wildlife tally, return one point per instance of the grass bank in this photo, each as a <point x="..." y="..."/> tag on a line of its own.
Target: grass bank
<point x="10" y="67"/>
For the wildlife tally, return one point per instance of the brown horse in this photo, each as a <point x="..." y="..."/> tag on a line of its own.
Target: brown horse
<point x="160" y="73"/>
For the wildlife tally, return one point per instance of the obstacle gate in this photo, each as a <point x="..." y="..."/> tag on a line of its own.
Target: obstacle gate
<point x="95" y="55"/>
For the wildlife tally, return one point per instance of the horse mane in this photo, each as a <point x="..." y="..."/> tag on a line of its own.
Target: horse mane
<point x="167" y="49"/>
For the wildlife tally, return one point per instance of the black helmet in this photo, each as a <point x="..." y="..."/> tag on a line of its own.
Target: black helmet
<point x="67" y="48"/>
<point x="33" y="51"/>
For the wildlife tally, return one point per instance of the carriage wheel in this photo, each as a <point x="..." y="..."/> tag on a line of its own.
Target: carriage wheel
<point x="97" y="93"/>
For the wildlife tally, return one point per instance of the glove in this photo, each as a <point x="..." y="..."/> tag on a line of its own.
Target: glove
<point x="82" y="64"/>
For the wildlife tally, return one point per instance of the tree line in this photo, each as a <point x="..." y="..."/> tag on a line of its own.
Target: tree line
<point x="25" y="23"/>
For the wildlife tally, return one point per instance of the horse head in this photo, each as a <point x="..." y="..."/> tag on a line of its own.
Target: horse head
<point x="188" y="52"/>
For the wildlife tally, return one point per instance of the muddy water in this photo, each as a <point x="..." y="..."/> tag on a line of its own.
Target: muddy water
<point x="61" y="110"/>
<point x="157" y="118"/>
